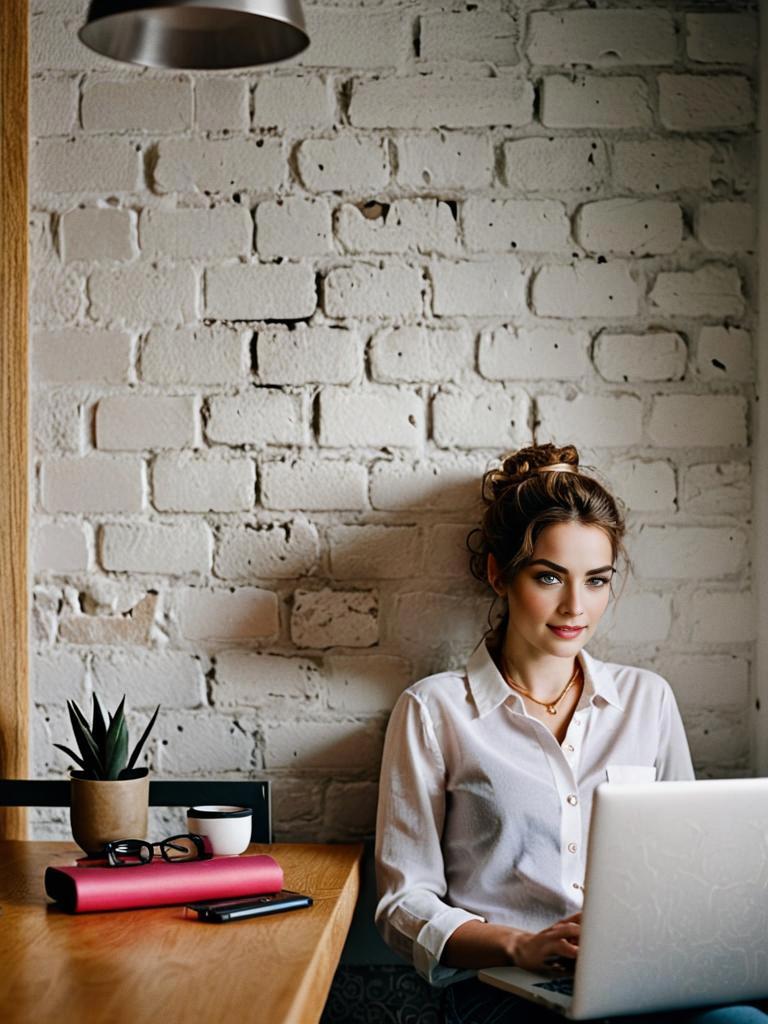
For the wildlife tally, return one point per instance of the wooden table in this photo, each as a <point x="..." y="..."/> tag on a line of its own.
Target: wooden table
<point x="163" y="965"/>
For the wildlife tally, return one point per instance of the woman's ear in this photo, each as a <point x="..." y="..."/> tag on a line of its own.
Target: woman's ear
<point x="494" y="575"/>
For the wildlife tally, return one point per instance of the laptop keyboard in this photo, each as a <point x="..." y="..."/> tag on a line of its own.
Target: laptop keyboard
<point x="563" y="986"/>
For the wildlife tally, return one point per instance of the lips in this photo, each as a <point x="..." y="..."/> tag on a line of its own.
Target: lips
<point x="567" y="632"/>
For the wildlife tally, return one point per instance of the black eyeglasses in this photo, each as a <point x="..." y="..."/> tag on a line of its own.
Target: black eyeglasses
<point x="132" y="853"/>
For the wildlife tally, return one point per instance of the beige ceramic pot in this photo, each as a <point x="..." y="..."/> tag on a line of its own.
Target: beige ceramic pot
<point x="103" y="811"/>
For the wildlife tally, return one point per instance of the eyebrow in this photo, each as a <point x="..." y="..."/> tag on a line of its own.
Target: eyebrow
<point x="562" y="569"/>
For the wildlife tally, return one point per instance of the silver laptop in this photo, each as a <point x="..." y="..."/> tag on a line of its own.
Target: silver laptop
<point x="675" y="903"/>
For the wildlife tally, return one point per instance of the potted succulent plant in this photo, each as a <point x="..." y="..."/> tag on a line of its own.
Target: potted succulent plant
<point x="109" y="795"/>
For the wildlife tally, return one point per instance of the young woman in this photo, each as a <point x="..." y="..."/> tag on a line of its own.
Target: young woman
<point x="488" y="774"/>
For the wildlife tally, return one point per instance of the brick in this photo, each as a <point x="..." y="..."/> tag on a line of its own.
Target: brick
<point x="450" y="160"/>
<point x="374" y="552"/>
<point x="446" y="552"/>
<point x="365" y="684"/>
<point x="645" y="485"/>
<point x="451" y="483"/>
<point x="279" y="551"/>
<point x="366" y="290"/>
<point x="695" y="103"/>
<point x="723" y="618"/>
<point x="721" y="38"/>
<point x="695" y="421"/>
<point x="601" y="38"/>
<point x="408" y="225"/>
<point x="742" y="157"/>
<point x="474" y="35"/>
<point x="446" y="624"/>
<point x="707" y="681"/>
<point x="712" y="290"/>
<point x="147" y="678"/>
<point x="725" y="353"/>
<point x="101" y="166"/>
<point x="226" y="231"/>
<point x="293" y="104"/>
<point x="555" y="164"/>
<point x="350" y="809"/>
<point x="375" y="418"/>
<point x="413" y="354"/>
<point x="94" y="484"/>
<point x="191" y="483"/>
<point x="593" y="419"/>
<point x="227" y="165"/>
<point x="54" y="42"/>
<point x="245" y="678"/>
<point x="172" y="549"/>
<point x="130" y="627"/>
<point x="252" y="292"/>
<point x="57" y="422"/>
<point x="710" y="487"/>
<point x="429" y="101"/>
<point x="293" y="227"/>
<point x="717" y="738"/>
<point x="257" y="417"/>
<point x="663" y="165"/>
<point x="479" y="288"/>
<point x="46" y="604"/>
<point x="331" y="618"/>
<point x="223" y="615"/>
<point x="586" y="289"/>
<point x="498" y="225"/>
<point x="726" y="226"/>
<point x="330" y="746"/>
<point x="659" y="355"/>
<point x="639" y="619"/>
<point x="591" y="102"/>
<point x="135" y="423"/>
<point x="143" y="294"/>
<point x="194" y="739"/>
<point x="221" y="104"/>
<point x="534" y="353"/>
<point x="52" y="105"/>
<point x="73" y="355"/>
<point x="313" y="485"/>
<point x="379" y="39"/>
<point x="689" y="552"/>
<point x="195" y="355"/>
<point x="491" y="419"/>
<point x="297" y="808"/>
<point x="97" y="235"/>
<point x="630" y="226"/>
<point x="62" y="547"/>
<point x="345" y="163"/>
<point x="58" y="676"/>
<point x="306" y="355"/>
<point x="56" y="297"/>
<point x="137" y="105"/>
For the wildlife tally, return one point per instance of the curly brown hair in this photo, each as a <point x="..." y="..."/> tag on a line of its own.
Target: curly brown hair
<point x="534" y="488"/>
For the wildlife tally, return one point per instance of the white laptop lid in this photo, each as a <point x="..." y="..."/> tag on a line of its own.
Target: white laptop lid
<point x="676" y="897"/>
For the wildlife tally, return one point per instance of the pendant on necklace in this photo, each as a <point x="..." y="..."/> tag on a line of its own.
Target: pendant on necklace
<point x="551" y="709"/>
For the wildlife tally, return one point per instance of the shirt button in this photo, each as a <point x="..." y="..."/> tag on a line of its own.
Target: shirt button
<point x="570" y="747"/>
<point x="571" y="847"/>
<point x="577" y="886"/>
<point x="572" y="799"/>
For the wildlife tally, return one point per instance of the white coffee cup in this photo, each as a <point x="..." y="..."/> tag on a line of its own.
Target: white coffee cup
<point x="227" y="828"/>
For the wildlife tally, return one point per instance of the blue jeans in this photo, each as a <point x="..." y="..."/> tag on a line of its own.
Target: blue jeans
<point x="472" y="1002"/>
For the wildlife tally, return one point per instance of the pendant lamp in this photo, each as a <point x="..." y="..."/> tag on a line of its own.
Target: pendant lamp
<point x="196" y="34"/>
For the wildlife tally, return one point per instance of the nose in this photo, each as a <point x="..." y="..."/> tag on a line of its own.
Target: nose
<point x="572" y="601"/>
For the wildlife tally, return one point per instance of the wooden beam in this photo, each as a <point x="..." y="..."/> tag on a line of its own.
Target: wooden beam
<point x="14" y="453"/>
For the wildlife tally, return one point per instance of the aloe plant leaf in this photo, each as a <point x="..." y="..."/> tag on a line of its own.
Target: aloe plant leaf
<point x="90" y="752"/>
<point x="72" y="754"/>
<point x="99" y="728"/>
<point x="142" y="741"/>
<point x="116" y="744"/>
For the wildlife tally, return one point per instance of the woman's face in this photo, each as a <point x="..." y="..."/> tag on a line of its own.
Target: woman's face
<point x="558" y="598"/>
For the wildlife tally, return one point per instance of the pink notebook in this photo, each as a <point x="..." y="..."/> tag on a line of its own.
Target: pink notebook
<point x="80" y="889"/>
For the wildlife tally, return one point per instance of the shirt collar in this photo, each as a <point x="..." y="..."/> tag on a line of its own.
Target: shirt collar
<point x="489" y="688"/>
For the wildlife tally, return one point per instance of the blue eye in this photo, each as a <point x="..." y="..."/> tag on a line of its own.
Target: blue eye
<point x="548" y="578"/>
<point x="598" y="581"/>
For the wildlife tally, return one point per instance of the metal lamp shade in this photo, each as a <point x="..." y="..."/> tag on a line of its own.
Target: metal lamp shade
<point x="196" y="34"/>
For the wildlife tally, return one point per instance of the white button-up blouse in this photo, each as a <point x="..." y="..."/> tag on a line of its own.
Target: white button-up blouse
<point x="483" y="815"/>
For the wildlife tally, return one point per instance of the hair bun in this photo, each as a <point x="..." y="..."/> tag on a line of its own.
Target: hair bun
<point x="517" y="467"/>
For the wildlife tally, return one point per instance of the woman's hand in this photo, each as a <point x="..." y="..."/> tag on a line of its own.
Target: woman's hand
<point x="536" y="951"/>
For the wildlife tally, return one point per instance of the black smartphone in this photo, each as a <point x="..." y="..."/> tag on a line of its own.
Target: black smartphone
<point x="239" y="909"/>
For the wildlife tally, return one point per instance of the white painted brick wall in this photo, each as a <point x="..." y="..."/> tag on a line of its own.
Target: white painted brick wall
<point x="284" y="318"/>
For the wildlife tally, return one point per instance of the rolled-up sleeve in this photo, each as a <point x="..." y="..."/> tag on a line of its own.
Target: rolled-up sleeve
<point x="673" y="761"/>
<point x="411" y="913"/>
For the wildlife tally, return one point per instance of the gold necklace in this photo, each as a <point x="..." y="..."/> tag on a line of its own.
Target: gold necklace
<point x="551" y="706"/>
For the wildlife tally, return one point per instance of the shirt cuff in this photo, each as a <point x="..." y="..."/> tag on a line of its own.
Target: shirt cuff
<point x="430" y="942"/>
